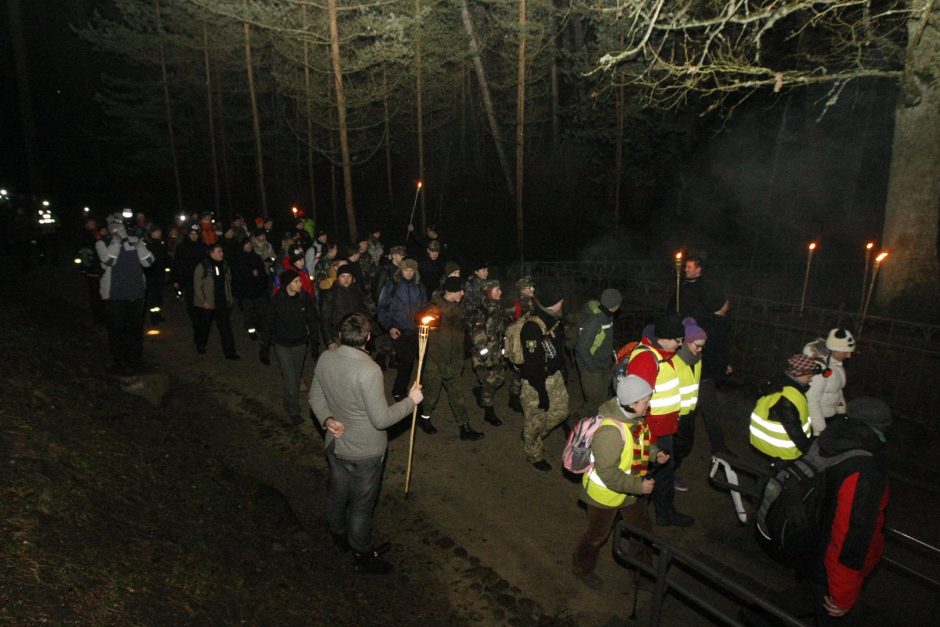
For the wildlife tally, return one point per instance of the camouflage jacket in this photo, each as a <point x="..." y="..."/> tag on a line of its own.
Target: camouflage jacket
<point x="472" y="294"/>
<point x="487" y="326"/>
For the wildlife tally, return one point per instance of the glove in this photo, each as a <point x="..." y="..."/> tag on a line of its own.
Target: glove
<point x="264" y="355"/>
<point x="120" y="232"/>
<point x="543" y="399"/>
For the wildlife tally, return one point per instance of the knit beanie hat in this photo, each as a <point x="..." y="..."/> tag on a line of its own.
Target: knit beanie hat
<point x="549" y="295"/>
<point x="296" y="254"/>
<point x="287" y="277"/>
<point x="611" y="298"/>
<point x="525" y="282"/>
<point x="450" y="267"/>
<point x="409" y="263"/>
<point x="452" y="284"/>
<point x="489" y="284"/>
<point x="344" y="269"/>
<point x="840" y="340"/>
<point x="479" y="265"/>
<point x="434" y="245"/>
<point x="632" y="388"/>
<point x="798" y="365"/>
<point x="669" y="328"/>
<point x="397" y="250"/>
<point x="872" y="411"/>
<point x="693" y="332"/>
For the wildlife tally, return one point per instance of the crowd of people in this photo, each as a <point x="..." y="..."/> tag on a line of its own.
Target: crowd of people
<point x="355" y="309"/>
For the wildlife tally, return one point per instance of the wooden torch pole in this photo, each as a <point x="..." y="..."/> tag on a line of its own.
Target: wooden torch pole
<point x="423" y="330"/>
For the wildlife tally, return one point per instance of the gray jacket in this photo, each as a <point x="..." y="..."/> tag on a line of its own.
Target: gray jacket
<point x="348" y="386"/>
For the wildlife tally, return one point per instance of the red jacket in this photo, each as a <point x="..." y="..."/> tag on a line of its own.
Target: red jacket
<point x="644" y="364"/>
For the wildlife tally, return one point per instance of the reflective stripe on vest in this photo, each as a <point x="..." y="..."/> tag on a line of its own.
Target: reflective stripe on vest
<point x="592" y="482"/>
<point x="666" y="397"/>
<point x="769" y="436"/>
<point x="688" y="384"/>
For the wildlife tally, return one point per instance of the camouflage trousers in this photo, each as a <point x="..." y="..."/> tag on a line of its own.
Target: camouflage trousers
<point x="515" y="381"/>
<point x="490" y="380"/>
<point x="436" y="376"/>
<point x="538" y="423"/>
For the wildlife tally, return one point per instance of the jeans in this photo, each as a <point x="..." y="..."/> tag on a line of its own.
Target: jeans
<point x="290" y="359"/>
<point x="350" y="499"/>
<point x="125" y="324"/>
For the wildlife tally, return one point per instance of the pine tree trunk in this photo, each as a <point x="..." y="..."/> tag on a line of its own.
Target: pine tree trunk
<point x="485" y="93"/>
<point x="24" y="93"/>
<point x="910" y="277"/>
<point x="309" y="112"/>
<point x="214" y="158"/>
<point x="341" y="118"/>
<point x="169" y="110"/>
<point x="420" y="111"/>
<point x="388" y="139"/>
<point x="255" y="122"/>
<point x="520" y="133"/>
<point x="223" y="149"/>
<point x="618" y="160"/>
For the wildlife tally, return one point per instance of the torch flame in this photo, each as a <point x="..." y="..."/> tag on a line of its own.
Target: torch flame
<point x="153" y="331"/>
<point x="293" y="209"/>
<point x="679" y="256"/>
<point x="427" y="320"/>
<point x="881" y="256"/>
<point x="869" y="245"/>
<point x="812" y="245"/>
<point x="420" y="184"/>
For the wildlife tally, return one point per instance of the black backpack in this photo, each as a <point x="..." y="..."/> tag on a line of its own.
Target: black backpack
<point x="789" y="517"/>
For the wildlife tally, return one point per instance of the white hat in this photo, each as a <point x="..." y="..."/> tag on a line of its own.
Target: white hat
<point x="840" y="340"/>
<point x="632" y="388"/>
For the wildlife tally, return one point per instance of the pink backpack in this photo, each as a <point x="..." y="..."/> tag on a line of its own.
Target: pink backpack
<point x="576" y="457"/>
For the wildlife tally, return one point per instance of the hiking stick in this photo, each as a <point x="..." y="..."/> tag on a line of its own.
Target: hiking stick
<point x="423" y="330"/>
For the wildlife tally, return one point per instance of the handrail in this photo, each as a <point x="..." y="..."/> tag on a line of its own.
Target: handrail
<point x="670" y="553"/>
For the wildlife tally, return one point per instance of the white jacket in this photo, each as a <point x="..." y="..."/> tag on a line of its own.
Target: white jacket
<point x="824" y="396"/>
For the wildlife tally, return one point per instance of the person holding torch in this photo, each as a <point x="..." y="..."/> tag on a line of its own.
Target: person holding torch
<point x="347" y="396"/>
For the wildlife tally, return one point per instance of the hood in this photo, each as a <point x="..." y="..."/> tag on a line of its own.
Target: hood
<point x="846" y="434"/>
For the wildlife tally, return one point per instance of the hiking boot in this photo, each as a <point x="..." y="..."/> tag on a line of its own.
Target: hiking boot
<point x="478" y="394"/>
<point x="425" y="423"/>
<point x="489" y="415"/>
<point x="370" y="564"/>
<point x="680" y="484"/>
<point x="467" y="433"/>
<point x="542" y="465"/>
<point x="675" y="520"/>
<point x="515" y="403"/>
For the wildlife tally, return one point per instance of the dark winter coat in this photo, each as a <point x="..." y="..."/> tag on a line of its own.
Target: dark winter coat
<point x="186" y="257"/>
<point x="432" y="271"/>
<point x="289" y="320"/>
<point x="249" y="277"/>
<point x="400" y="302"/>
<point x="336" y="303"/>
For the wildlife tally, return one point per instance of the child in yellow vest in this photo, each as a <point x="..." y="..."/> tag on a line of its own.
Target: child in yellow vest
<point x="621" y="452"/>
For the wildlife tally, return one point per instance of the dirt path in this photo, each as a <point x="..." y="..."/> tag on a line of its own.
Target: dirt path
<point x="481" y="528"/>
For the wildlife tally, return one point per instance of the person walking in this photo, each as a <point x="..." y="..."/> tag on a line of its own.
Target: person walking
<point x="290" y="323"/>
<point x="594" y="352"/>
<point x="621" y="452"/>
<point x="347" y="397"/>
<point x="487" y="327"/>
<point x="443" y="362"/>
<point x="688" y="362"/>
<point x="399" y="303"/>
<point x="825" y="398"/>
<point x="780" y="427"/>
<point x="212" y="298"/>
<point x="544" y="395"/>
<point x="123" y="287"/>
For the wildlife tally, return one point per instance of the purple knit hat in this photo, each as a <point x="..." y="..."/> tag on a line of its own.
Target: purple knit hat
<point x="693" y="332"/>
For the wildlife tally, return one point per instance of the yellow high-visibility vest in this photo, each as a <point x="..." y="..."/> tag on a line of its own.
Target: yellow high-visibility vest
<point x="666" y="397"/>
<point x="632" y="451"/>
<point x="688" y="384"/>
<point x="768" y="436"/>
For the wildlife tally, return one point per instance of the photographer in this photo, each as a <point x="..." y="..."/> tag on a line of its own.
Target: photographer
<point x="123" y="288"/>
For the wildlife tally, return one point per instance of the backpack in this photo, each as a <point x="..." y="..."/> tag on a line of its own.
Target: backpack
<point x="576" y="456"/>
<point x="512" y="340"/>
<point x="789" y="516"/>
<point x="623" y="358"/>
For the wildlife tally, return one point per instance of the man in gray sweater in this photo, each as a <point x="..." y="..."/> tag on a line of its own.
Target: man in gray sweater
<point x="347" y="397"/>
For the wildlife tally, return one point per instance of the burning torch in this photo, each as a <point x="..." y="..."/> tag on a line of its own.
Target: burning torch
<point x="809" y="263"/>
<point x="868" y="248"/>
<point x="871" y="288"/>
<point x="413" y="205"/>
<point x="424" y="327"/>
<point x="678" y="276"/>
